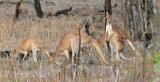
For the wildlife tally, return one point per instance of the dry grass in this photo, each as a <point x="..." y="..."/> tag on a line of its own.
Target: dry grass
<point x="51" y="30"/>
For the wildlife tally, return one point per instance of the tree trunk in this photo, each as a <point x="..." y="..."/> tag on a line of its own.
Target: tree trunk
<point x="38" y="8"/>
<point x="138" y="14"/>
<point x="135" y="20"/>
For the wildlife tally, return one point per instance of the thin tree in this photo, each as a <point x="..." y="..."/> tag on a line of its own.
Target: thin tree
<point x="108" y="9"/>
<point x="17" y="11"/>
<point x="38" y="8"/>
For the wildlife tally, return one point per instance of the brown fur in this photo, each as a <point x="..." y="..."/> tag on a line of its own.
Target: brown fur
<point x="28" y="45"/>
<point x="103" y="39"/>
<point x="69" y="40"/>
<point x="115" y="34"/>
<point x="117" y="38"/>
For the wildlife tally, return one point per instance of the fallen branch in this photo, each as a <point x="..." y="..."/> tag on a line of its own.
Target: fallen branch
<point x="14" y="2"/>
<point x="64" y="11"/>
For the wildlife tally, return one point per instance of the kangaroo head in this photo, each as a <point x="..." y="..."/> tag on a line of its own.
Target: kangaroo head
<point x="109" y="18"/>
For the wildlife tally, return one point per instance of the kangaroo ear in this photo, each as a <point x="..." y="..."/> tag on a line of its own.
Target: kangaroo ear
<point x="109" y="17"/>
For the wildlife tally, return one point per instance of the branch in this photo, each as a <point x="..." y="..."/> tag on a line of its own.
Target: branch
<point x="64" y="11"/>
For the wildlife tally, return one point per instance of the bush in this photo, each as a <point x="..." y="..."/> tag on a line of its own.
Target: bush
<point x="157" y="66"/>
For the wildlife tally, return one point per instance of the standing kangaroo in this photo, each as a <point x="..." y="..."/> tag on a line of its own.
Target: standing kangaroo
<point x="117" y="38"/>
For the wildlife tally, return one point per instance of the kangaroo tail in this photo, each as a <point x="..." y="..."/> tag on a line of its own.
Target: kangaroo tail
<point x="130" y="43"/>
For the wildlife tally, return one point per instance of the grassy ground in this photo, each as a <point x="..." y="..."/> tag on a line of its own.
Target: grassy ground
<point x="51" y="30"/>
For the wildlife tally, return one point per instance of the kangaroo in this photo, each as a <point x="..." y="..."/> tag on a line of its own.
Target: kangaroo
<point x="70" y="44"/>
<point x="28" y="45"/>
<point x="117" y="38"/>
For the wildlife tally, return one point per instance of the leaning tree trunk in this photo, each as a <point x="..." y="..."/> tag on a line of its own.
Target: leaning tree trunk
<point x="38" y="8"/>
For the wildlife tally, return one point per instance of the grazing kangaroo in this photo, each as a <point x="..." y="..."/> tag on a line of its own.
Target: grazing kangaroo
<point x="70" y="44"/>
<point x="28" y="45"/>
